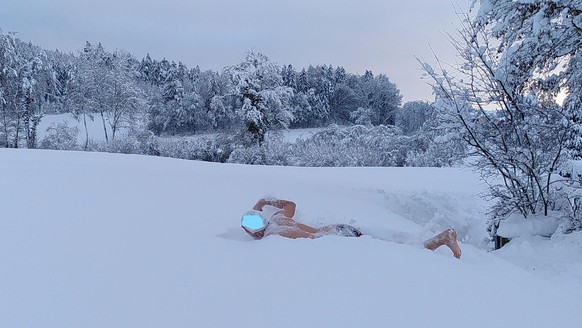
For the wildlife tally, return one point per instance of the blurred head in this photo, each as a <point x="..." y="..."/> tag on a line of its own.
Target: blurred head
<point x="254" y="223"/>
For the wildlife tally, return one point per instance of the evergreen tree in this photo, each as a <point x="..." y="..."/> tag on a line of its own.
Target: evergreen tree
<point x="289" y="77"/>
<point x="264" y="100"/>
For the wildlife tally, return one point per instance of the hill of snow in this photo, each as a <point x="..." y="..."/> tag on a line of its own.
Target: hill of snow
<point x="105" y="240"/>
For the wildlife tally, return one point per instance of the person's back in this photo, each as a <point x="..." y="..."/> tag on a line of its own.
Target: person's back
<point x="278" y="217"/>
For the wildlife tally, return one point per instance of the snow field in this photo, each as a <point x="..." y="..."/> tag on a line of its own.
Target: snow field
<point x="105" y="240"/>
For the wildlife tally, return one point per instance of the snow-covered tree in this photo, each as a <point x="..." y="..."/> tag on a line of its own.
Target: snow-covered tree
<point x="411" y="117"/>
<point x="124" y="98"/>
<point x="107" y="85"/>
<point x="95" y="73"/>
<point x="216" y="109"/>
<point x="25" y="81"/>
<point x="289" y="76"/>
<point x="502" y="100"/>
<point x="8" y="78"/>
<point x="381" y="96"/>
<point x="37" y="85"/>
<point x="264" y="100"/>
<point x="79" y="95"/>
<point x="310" y="109"/>
<point x="343" y="102"/>
<point x="541" y="42"/>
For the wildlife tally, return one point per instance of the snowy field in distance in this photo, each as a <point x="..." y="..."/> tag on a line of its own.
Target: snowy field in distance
<point x="94" y="127"/>
<point x="96" y="133"/>
<point x="106" y="240"/>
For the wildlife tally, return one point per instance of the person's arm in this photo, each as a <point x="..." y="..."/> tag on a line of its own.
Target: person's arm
<point x="287" y="206"/>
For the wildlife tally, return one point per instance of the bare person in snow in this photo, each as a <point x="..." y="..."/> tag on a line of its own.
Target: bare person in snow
<point x="275" y="217"/>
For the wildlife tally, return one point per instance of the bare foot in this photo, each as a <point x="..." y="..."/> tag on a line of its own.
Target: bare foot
<point x="448" y="238"/>
<point x="453" y="244"/>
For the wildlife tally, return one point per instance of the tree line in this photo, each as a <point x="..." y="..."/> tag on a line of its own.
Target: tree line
<point x="168" y="98"/>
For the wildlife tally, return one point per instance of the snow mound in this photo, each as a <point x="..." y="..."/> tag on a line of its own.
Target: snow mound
<point x="517" y="225"/>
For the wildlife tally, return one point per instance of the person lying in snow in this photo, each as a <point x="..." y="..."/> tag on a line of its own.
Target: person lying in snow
<point x="275" y="217"/>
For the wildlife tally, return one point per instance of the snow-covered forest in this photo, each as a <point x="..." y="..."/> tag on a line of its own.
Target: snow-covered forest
<point x="247" y="104"/>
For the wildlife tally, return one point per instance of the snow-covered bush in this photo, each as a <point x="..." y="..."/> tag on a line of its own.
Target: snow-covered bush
<point x="121" y="145"/>
<point x="435" y="146"/>
<point x="273" y="151"/>
<point x="567" y="196"/>
<point x="60" y="136"/>
<point x="362" y="116"/>
<point x="351" y="146"/>
<point x="357" y="145"/>
<point x="571" y="207"/>
<point x="141" y="142"/>
<point x="208" y="149"/>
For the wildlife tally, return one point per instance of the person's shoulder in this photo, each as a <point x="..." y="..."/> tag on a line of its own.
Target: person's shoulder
<point x="270" y="211"/>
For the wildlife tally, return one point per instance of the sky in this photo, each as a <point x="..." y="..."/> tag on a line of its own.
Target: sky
<point x="379" y="35"/>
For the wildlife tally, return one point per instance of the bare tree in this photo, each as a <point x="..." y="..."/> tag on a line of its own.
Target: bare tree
<point x="517" y="131"/>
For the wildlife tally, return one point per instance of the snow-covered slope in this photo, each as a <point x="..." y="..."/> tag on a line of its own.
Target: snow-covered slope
<point x="104" y="240"/>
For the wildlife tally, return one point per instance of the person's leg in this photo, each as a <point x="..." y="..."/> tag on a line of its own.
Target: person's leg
<point x="344" y="230"/>
<point x="448" y="238"/>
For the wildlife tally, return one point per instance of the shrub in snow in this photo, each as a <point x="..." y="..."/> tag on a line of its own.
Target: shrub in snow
<point x="273" y="151"/>
<point x="362" y="116"/>
<point x="567" y="196"/>
<point x="331" y="147"/>
<point x="147" y="142"/>
<point x="253" y="155"/>
<point x="203" y="149"/>
<point x="136" y="142"/>
<point x="60" y="136"/>
<point x="432" y="150"/>
<point x="351" y="146"/>
<point x="121" y="146"/>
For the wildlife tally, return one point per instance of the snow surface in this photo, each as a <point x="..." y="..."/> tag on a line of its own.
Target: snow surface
<point x="107" y="240"/>
<point x="516" y="225"/>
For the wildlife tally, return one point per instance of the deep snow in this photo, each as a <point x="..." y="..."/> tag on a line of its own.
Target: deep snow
<point x="106" y="240"/>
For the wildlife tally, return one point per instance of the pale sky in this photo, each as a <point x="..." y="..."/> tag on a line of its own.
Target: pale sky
<point x="381" y="35"/>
